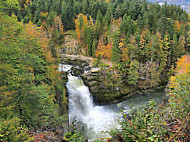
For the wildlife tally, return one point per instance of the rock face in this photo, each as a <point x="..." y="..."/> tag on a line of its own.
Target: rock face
<point x="79" y="66"/>
<point x="104" y="87"/>
<point x="104" y="93"/>
<point x="71" y="45"/>
<point x="101" y="93"/>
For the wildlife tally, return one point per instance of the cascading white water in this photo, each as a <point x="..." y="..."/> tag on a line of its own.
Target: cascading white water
<point x="64" y="68"/>
<point x="96" y="118"/>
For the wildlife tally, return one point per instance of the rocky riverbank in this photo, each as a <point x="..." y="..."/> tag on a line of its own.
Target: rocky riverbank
<point x="106" y="86"/>
<point x="104" y="92"/>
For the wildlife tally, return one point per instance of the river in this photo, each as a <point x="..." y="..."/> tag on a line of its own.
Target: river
<point x="96" y="120"/>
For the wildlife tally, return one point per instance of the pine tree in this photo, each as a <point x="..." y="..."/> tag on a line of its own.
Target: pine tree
<point x="93" y="48"/>
<point x="116" y="52"/>
<point x="133" y="74"/>
<point x="99" y="17"/>
<point x="164" y="52"/>
<point x="85" y="7"/>
<point x="165" y="25"/>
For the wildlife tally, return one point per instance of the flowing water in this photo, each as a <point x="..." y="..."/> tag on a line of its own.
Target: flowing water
<point x="96" y="120"/>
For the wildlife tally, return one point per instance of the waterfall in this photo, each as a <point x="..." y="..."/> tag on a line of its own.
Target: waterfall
<point x="80" y="100"/>
<point x="81" y="108"/>
<point x="97" y="119"/>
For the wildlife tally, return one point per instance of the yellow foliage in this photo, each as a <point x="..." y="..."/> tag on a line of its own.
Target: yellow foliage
<point x="104" y="50"/>
<point x="121" y="45"/>
<point x="33" y="32"/>
<point x="183" y="65"/>
<point x="80" y="23"/>
<point x="44" y="14"/>
<point x="58" y="24"/>
<point x="142" y="38"/>
<point x="125" y="54"/>
<point x="176" y="82"/>
<point x="177" y="26"/>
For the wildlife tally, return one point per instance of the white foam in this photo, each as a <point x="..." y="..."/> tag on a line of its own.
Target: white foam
<point x="97" y="119"/>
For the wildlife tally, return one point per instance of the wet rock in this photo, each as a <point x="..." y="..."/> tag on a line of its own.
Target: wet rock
<point x="103" y="91"/>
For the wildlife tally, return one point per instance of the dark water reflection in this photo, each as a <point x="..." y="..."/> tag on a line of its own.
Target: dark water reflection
<point x="137" y="101"/>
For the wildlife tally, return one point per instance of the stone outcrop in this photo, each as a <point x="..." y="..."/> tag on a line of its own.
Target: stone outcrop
<point x="106" y="94"/>
<point x="104" y="90"/>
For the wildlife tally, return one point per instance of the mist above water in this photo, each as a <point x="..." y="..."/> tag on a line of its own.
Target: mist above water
<point x="96" y="119"/>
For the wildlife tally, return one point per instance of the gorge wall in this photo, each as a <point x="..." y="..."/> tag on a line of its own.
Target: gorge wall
<point x="105" y="86"/>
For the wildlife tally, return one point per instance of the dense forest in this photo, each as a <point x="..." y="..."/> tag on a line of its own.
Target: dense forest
<point x="147" y="44"/>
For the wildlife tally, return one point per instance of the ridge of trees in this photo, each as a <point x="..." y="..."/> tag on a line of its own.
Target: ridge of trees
<point x="162" y="122"/>
<point x="142" y="40"/>
<point x="32" y="94"/>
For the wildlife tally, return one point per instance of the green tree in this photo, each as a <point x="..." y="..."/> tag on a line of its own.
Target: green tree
<point x="10" y="6"/>
<point x="85" y="7"/>
<point x="164" y="25"/>
<point x="108" y="17"/>
<point x="133" y="74"/>
<point x="99" y="17"/>
<point x="128" y="26"/>
<point x="116" y="52"/>
<point x="27" y="78"/>
<point x="93" y="47"/>
<point x="164" y="52"/>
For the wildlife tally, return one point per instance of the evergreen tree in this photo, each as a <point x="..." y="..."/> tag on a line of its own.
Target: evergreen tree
<point x="109" y="15"/>
<point x="165" y="25"/>
<point x="188" y="42"/>
<point x="133" y="74"/>
<point x="85" y="7"/>
<point x="99" y="17"/>
<point x="93" y="48"/>
<point x="146" y="20"/>
<point x="116" y="52"/>
<point x="164" y="47"/>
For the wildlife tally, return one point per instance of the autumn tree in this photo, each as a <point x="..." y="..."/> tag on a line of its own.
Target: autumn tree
<point x="80" y="22"/>
<point x="164" y="47"/>
<point x="85" y="32"/>
<point x="104" y="50"/>
<point x="10" y="6"/>
<point x="28" y="77"/>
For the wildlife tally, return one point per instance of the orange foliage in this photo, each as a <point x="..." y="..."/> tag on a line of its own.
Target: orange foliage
<point x="177" y="26"/>
<point x="44" y="14"/>
<point x="44" y="26"/>
<point x="125" y="54"/>
<point x="38" y="34"/>
<point x="179" y="82"/>
<point x="80" y="23"/>
<point x="52" y="73"/>
<point x="116" y="22"/>
<point x="104" y="50"/>
<point x="58" y="24"/>
<point x="183" y="65"/>
<point x="142" y="38"/>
